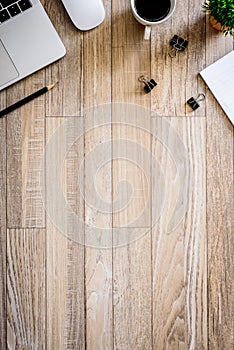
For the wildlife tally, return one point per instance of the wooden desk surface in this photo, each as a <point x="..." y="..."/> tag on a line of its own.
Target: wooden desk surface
<point x="162" y="290"/>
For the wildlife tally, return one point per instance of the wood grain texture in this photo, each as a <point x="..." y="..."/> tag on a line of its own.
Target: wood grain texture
<point x="98" y="260"/>
<point x="98" y="229"/>
<point x="65" y="292"/>
<point x="56" y="287"/>
<point x="3" y="99"/>
<point x="130" y="56"/>
<point x="177" y="77"/>
<point x="131" y="229"/>
<point x="196" y="57"/>
<point x="219" y="209"/>
<point x="25" y="143"/>
<point x="26" y="289"/>
<point x="65" y="240"/>
<point x="3" y="313"/>
<point x="169" y="73"/>
<point x="131" y="261"/>
<point x="179" y="252"/>
<point x="3" y="233"/>
<point x="132" y="295"/>
<point x="66" y="98"/>
<point x="102" y="274"/>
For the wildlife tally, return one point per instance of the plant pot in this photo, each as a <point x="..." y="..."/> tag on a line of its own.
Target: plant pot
<point x="216" y="25"/>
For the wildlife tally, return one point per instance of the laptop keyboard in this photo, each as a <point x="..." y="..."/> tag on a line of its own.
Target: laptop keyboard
<point x="11" y="8"/>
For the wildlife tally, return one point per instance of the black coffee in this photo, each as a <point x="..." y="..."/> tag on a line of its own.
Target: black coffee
<point x="153" y="10"/>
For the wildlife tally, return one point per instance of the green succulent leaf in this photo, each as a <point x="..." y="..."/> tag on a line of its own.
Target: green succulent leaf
<point x="223" y="12"/>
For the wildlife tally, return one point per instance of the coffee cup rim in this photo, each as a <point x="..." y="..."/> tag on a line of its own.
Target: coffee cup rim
<point x="149" y="23"/>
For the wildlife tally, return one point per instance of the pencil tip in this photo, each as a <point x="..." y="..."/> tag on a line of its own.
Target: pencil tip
<point x="49" y="87"/>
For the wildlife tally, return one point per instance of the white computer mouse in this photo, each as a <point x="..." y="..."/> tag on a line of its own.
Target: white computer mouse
<point x="85" y="14"/>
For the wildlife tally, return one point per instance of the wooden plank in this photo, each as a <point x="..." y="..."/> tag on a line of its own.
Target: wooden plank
<point x="65" y="244"/>
<point x="26" y="290"/>
<point x="131" y="182"/>
<point x="66" y="99"/>
<point x="14" y="156"/>
<point x="132" y="295"/>
<point x="98" y="230"/>
<point x="3" y="313"/>
<point x="179" y="250"/>
<point x="98" y="168"/>
<point x="56" y="287"/>
<point x="170" y="73"/>
<point x="131" y="164"/>
<point x="3" y="99"/>
<point x="130" y="57"/>
<point x="131" y="227"/>
<point x="196" y="56"/>
<point x="3" y="233"/>
<point x="177" y="77"/>
<point x="25" y="143"/>
<point x="65" y="292"/>
<point x="219" y="207"/>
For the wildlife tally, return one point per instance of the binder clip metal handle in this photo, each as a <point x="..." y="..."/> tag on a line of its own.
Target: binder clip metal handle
<point x="149" y="84"/>
<point x="193" y="102"/>
<point x="172" y="52"/>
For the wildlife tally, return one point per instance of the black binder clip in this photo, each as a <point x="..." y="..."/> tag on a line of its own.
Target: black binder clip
<point x="149" y="84"/>
<point x="178" y="44"/>
<point x="193" y="103"/>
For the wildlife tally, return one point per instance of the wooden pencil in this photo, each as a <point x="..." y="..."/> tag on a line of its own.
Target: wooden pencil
<point x="26" y="100"/>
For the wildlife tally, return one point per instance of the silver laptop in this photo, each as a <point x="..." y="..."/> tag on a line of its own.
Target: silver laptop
<point x="28" y="40"/>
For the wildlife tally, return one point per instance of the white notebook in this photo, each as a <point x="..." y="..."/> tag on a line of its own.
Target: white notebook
<point x="219" y="77"/>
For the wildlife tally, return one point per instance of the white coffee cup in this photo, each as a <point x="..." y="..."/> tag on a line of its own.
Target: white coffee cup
<point x="149" y="24"/>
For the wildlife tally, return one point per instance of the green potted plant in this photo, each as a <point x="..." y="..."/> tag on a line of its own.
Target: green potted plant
<point x="221" y="15"/>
